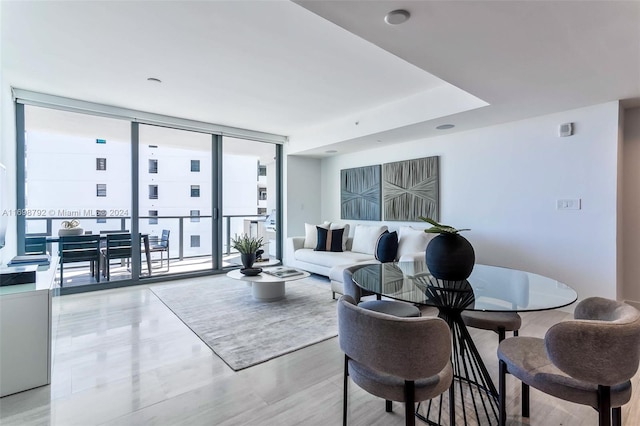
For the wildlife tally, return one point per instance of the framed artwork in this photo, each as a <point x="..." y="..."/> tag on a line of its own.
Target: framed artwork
<point x="360" y="195"/>
<point x="410" y="189"/>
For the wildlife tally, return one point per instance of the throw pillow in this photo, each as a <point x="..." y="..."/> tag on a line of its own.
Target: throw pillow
<point x="311" y="234"/>
<point x="387" y="246"/>
<point x="412" y="241"/>
<point x="365" y="238"/>
<point x="329" y="239"/>
<point x="345" y="235"/>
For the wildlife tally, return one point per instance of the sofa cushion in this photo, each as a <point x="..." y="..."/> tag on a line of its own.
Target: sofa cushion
<point x="412" y="240"/>
<point x="330" y="259"/>
<point x="387" y="246"/>
<point x="365" y="238"/>
<point x="329" y="239"/>
<point x="311" y="234"/>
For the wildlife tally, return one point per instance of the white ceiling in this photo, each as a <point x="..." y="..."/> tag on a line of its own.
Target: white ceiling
<point x="287" y="68"/>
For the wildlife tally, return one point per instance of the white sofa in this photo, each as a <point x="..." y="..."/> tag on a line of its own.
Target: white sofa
<point x="411" y="243"/>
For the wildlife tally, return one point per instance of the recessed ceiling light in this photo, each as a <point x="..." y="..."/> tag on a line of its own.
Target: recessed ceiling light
<point x="397" y="17"/>
<point x="155" y="80"/>
<point x="331" y="151"/>
<point x="445" y="126"/>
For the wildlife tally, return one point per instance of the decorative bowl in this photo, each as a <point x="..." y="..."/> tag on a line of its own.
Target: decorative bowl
<point x="250" y="272"/>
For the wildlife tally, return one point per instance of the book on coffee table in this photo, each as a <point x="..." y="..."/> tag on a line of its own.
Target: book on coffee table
<point x="282" y="272"/>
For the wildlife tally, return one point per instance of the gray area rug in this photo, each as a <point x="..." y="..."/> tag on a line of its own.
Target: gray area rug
<point x="244" y="332"/>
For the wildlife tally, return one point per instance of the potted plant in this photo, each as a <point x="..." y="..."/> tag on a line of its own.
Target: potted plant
<point x="247" y="246"/>
<point x="70" y="227"/>
<point x="449" y="255"/>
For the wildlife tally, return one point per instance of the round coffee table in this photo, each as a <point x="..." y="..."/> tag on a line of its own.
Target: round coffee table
<point x="265" y="287"/>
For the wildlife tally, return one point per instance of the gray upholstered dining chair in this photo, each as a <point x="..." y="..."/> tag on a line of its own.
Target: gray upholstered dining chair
<point x="391" y="307"/>
<point x="398" y="359"/>
<point x="512" y="287"/>
<point x="589" y="360"/>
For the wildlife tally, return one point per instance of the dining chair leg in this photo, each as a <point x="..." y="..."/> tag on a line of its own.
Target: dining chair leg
<point x="501" y="334"/>
<point x="409" y="403"/>
<point x="616" y="416"/>
<point x="502" y="388"/>
<point x="388" y="406"/>
<point x="604" y="405"/>
<point x="344" y="391"/>
<point x="525" y="400"/>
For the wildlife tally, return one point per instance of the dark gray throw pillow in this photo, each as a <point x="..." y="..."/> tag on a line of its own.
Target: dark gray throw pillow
<point x="387" y="246"/>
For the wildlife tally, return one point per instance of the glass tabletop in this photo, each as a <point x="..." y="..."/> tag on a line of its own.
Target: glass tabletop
<point x="489" y="288"/>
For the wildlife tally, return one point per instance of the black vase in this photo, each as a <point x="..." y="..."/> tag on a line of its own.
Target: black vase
<point x="450" y="257"/>
<point x="247" y="259"/>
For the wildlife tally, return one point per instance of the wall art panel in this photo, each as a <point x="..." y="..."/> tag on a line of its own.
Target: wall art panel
<point x="360" y="195"/>
<point x="410" y="189"/>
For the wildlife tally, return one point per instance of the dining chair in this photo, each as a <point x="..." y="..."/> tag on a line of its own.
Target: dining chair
<point x="390" y="307"/>
<point x="80" y="248"/>
<point x="397" y="359"/>
<point x="118" y="246"/>
<point x="512" y="287"/>
<point x="162" y="246"/>
<point x="588" y="360"/>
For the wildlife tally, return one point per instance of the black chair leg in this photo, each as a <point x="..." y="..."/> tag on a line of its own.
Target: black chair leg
<point x="388" y="406"/>
<point x="409" y="403"/>
<point x="333" y="295"/>
<point x="616" y="416"/>
<point x="525" y="400"/>
<point x="515" y="333"/>
<point x="502" y="388"/>
<point x="501" y="334"/>
<point x="344" y="391"/>
<point x="604" y="405"/>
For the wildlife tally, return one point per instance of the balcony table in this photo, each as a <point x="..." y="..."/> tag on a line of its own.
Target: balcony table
<point x="489" y="288"/>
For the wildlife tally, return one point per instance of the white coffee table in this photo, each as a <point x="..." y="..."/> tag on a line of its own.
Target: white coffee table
<point x="265" y="287"/>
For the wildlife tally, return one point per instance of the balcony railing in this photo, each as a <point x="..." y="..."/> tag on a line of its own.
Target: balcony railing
<point x="48" y="226"/>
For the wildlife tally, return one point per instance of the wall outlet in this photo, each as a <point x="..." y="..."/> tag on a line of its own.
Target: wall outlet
<point x="569" y="204"/>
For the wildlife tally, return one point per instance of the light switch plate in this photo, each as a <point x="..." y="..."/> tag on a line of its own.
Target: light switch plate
<point x="569" y="204"/>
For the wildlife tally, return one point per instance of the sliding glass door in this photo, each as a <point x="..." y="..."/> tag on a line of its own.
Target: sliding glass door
<point x="179" y="195"/>
<point x="175" y="199"/>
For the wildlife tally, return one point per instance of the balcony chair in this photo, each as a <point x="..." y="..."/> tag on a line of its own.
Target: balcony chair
<point x="118" y="246"/>
<point x="162" y="246"/>
<point x="35" y="245"/>
<point x="589" y="360"/>
<point x="80" y="248"/>
<point x="398" y="359"/>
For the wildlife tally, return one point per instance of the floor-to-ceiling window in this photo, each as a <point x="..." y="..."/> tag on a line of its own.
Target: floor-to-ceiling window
<point x="182" y="189"/>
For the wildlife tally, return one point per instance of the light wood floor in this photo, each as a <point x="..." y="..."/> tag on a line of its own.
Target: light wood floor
<point x="121" y="357"/>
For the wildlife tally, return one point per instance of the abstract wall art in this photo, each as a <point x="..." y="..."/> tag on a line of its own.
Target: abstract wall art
<point x="360" y="195"/>
<point x="410" y="189"/>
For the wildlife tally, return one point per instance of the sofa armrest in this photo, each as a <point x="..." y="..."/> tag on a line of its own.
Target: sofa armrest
<point x="291" y="245"/>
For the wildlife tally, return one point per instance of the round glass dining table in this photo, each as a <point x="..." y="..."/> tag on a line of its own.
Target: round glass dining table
<point x="490" y="289"/>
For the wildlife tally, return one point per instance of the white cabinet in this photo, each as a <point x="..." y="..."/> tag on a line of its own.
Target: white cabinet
<point x="25" y="334"/>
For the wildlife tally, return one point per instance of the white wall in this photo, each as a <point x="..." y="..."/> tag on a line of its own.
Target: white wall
<point x="303" y="187"/>
<point x="631" y="206"/>
<point x="503" y="182"/>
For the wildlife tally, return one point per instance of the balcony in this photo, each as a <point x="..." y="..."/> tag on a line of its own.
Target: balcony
<point x="190" y="245"/>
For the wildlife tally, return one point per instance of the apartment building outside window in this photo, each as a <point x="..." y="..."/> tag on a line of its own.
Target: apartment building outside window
<point x="153" y="166"/>
<point x="195" y="165"/>
<point x="195" y="191"/>
<point x="101" y="164"/>
<point x="101" y="190"/>
<point x="153" y="220"/>
<point x="153" y="192"/>
<point x="195" y="215"/>
<point x="195" y="241"/>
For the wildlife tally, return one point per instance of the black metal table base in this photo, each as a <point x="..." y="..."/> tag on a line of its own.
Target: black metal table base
<point x="474" y="395"/>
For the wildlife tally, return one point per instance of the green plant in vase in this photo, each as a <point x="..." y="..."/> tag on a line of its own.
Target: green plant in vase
<point x="449" y="255"/>
<point x="247" y="247"/>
